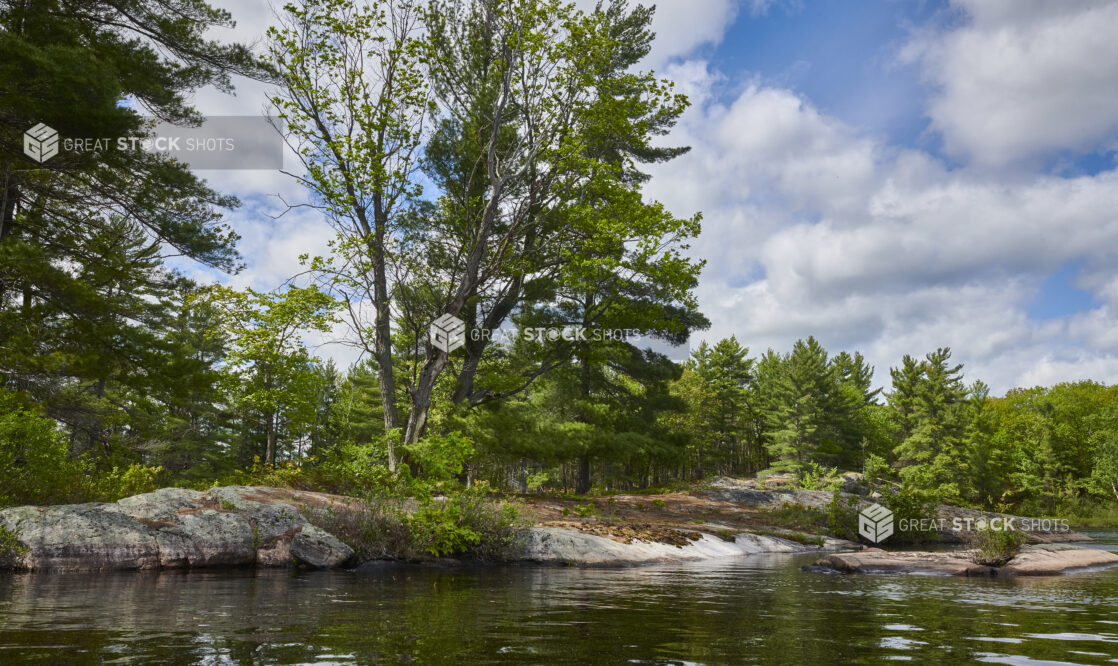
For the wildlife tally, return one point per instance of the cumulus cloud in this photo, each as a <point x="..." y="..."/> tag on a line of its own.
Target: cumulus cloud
<point x="1017" y="79"/>
<point x="813" y="228"/>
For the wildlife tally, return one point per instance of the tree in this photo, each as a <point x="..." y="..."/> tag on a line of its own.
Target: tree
<point x="719" y="403"/>
<point x="542" y="198"/>
<point x="931" y="453"/>
<point x="269" y="374"/>
<point x="797" y="420"/>
<point x="355" y="99"/>
<point x="35" y="467"/>
<point x="83" y="235"/>
<point x="1105" y="473"/>
<point x="517" y="88"/>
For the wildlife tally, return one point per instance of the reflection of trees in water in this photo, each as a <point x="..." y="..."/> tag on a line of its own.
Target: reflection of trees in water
<point x="759" y="608"/>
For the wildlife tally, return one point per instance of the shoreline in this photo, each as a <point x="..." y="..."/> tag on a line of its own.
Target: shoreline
<point x="241" y="526"/>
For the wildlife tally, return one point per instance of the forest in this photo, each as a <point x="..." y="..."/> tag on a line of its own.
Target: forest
<point x="473" y="158"/>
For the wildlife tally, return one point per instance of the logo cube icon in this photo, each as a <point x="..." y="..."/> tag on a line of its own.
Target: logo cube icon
<point x="875" y="522"/>
<point x="40" y="143"/>
<point x="447" y="333"/>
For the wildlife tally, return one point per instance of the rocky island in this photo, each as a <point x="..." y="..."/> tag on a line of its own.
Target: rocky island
<point x="176" y="528"/>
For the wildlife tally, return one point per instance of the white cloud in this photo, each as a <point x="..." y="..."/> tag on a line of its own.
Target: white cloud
<point x="811" y="228"/>
<point x="1017" y="79"/>
<point x="814" y="228"/>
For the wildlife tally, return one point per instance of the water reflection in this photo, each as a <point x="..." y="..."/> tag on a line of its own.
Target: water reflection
<point x="759" y="609"/>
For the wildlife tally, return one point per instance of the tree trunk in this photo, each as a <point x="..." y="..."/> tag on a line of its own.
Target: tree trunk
<point x="382" y="330"/>
<point x="270" y="451"/>
<point x="421" y="396"/>
<point x="582" y="483"/>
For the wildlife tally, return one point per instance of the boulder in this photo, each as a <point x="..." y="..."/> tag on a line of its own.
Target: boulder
<point x="174" y="528"/>
<point x="769" y="499"/>
<point x="854" y="483"/>
<point x="1057" y="558"/>
<point x="948" y="516"/>
<point x="560" y="545"/>
<point x="1036" y="560"/>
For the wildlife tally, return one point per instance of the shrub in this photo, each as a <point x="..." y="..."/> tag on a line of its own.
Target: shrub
<point x="10" y="547"/>
<point x="814" y="476"/>
<point x="586" y="510"/>
<point x="468" y="523"/>
<point x="35" y="466"/>
<point x="373" y="529"/>
<point x="842" y="517"/>
<point x="795" y="516"/>
<point x="911" y="505"/>
<point x="438" y="528"/>
<point x="876" y="469"/>
<point x="537" y="481"/>
<point x="498" y="523"/>
<point x="440" y="457"/>
<point x="132" y="480"/>
<point x="994" y="548"/>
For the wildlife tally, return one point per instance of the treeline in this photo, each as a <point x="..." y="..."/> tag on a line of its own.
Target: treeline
<point x="476" y="159"/>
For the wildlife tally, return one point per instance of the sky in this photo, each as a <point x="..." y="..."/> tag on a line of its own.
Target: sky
<point x="890" y="176"/>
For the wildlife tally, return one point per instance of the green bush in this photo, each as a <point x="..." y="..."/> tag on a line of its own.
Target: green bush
<point x="814" y="476"/>
<point x="35" y="466"/>
<point x="10" y="547"/>
<point x="536" y="481"/>
<point x="467" y="523"/>
<point x="994" y="548"/>
<point x="586" y="510"/>
<point x="440" y="457"/>
<point x="132" y="480"/>
<point x="876" y="469"/>
<point x="911" y="505"/>
<point x="438" y="528"/>
<point x="842" y="517"/>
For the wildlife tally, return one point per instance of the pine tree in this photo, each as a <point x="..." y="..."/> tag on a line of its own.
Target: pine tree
<point x="932" y="455"/>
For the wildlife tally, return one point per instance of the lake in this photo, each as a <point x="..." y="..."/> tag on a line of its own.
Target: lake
<point x="756" y="609"/>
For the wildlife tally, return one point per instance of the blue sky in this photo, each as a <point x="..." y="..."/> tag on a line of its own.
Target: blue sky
<point x="889" y="176"/>
<point x="839" y="55"/>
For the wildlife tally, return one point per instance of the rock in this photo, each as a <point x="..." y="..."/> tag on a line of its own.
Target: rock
<point x="730" y="482"/>
<point x="1043" y="560"/>
<point x="770" y="499"/>
<point x="1052" y="559"/>
<point x="175" y="528"/>
<point x="318" y="549"/>
<point x="559" y="545"/>
<point x="854" y="483"/>
<point x="778" y="481"/>
<point x="80" y="537"/>
<point x="948" y="516"/>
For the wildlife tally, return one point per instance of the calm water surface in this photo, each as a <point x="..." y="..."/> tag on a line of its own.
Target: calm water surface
<point x="757" y="609"/>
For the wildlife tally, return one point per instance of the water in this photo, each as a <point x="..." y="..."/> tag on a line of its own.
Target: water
<point x="757" y="609"/>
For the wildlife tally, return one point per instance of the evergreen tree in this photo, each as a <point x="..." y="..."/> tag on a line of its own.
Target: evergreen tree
<point x="83" y="294"/>
<point x="932" y="454"/>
